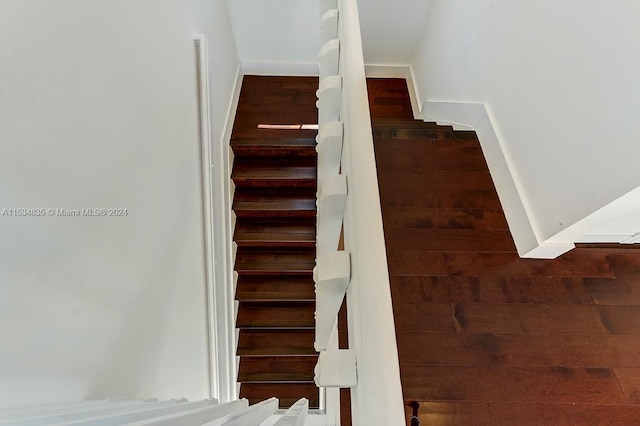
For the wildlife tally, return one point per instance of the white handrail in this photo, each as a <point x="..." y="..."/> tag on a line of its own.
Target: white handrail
<point x="175" y="412"/>
<point x="376" y="397"/>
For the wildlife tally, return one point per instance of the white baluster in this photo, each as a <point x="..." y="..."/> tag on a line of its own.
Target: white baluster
<point x="329" y="99"/>
<point x="296" y="415"/>
<point x="329" y="58"/>
<point x="329" y="26"/>
<point x="329" y="148"/>
<point x="331" y="274"/>
<point x="253" y="415"/>
<point x="332" y="198"/>
<point x="336" y="369"/>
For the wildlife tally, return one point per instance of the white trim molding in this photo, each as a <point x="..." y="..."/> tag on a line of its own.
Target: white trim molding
<point x="225" y="223"/>
<point x="207" y="207"/>
<point x="218" y="217"/>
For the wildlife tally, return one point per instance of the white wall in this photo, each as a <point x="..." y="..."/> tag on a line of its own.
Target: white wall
<point x="561" y="83"/>
<point x="280" y="37"/>
<point x="391" y="30"/>
<point x="98" y="108"/>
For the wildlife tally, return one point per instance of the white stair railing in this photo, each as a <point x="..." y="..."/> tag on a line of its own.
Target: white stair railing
<point x="296" y="415"/>
<point x="179" y="412"/>
<point x="358" y="271"/>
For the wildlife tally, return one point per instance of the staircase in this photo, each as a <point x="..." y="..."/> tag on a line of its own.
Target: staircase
<point x="274" y="172"/>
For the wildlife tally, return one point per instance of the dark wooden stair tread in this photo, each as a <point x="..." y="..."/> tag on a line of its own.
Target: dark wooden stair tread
<point x="258" y="261"/>
<point x="377" y="123"/>
<point x="287" y="393"/>
<point x="275" y="288"/>
<point x="428" y="133"/>
<point x="274" y="234"/>
<point x="276" y="342"/>
<point x="274" y="147"/>
<point x="274" y="176"/>
<point x="274" y="204"/>
<point x="277" y="369"/>
<point x="400" y="129"/>
<point x="276" y="314"/>
<point x="434" y="155"/>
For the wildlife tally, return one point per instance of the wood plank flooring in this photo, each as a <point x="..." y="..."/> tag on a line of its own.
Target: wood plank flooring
<point x="485" y="337"/>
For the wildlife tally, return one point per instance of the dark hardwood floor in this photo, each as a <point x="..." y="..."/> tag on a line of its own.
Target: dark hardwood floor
<point x="485" y="337"/>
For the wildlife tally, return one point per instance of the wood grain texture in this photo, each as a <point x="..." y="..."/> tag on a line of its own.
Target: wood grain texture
<point x="485" y="337"/>
<point x="278" y="341"/>
<point x="412" y="218"/>
<point x="275" y="288"/>
<point x="452" y="413"/>
<point x="535" y="350"/>
<point x="277" y="368"/>
<point x="276" y="315"/>
<point x="274" y="173"/>
<point x="512" y="384"/>
<point x="265" y="233"/>
<point x="387" y="98"/>
<point x="490" y="290"/>
<point x="554" y="414"/>
<point x="611" y="291"/>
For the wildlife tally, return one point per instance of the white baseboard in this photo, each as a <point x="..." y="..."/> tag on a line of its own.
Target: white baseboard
<point x="300" y="69"/>
<point x="478" y="117"/>
<point x="413" y="91"/>
<point x="225" y="293"/>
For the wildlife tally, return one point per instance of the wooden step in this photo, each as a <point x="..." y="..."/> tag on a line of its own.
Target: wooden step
<point x="275" y="288"/>
<point x="266" y="203"/>
<point x="252" y="83"/>
<point x="250" y="130"/>
<point x="273" y="174"/>
<point x="276" y="342"/>
<point x="389" y="98"/>
<point x="294" y="147"/>
<point x="277" y="369"/>
<point x="287" y="393"/>
<point x="278" y="104"/>
<point x="282" y="261"/>
<point x="427" y="133"/>
<point x="426" y="147"/>
<point x="276" y="315"/>
<point x="386" y="123"/>
<point x="273" y="162"/>
<point x="434" y="155"/>
<point x="260" y="232"/>
<point x="401" y="128"/>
